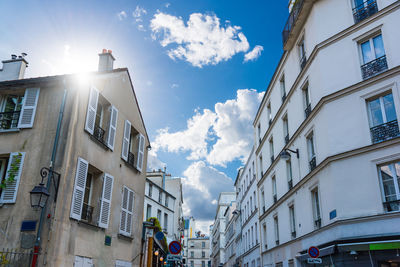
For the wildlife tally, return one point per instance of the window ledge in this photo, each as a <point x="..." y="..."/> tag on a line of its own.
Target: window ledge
<point x="87" y="225"/>
<point x="124" y="237"/>
<point x="10" y="130"/>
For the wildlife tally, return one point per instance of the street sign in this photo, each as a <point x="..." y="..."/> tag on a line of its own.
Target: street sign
<point x="313" y="252"/>
<point x="171" y="257"/>
<point x="160" y="235"/>
<point x="175" y="247"/>
<point x="314" y="260"/>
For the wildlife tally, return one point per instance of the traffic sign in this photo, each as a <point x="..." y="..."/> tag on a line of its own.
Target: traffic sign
<point x="313" y="252"/>
<point x="175" y="247"/>
<point x="314" y="260"/>
<point x="160" y="235"/>
<point x="171" y="257"/>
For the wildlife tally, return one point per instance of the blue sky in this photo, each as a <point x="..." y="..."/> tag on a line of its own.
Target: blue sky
<point x="190" y="101"/>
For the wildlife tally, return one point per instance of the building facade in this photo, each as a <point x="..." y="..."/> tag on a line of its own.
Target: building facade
<point x="198" y="252"/>
<point x="327" y="137"/>
<point x="230" y="235"/>
<point x="189" y="232"/>
<point x="89" y="132"/>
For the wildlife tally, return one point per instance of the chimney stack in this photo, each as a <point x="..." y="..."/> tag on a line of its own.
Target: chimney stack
<point x="14" y="68"/>
<point x="106" y="60"/>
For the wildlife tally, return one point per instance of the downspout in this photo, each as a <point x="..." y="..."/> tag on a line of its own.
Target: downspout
<point x="49" y="177"/>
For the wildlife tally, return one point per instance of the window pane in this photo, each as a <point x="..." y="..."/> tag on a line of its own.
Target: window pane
<point x="397" y="168"/>
<point x="359" y="4"/>
<point x="389" y="107"/>
<point x="388" y="184"/>
<point x="366" y="52"/>
<point x="378" y="45"/>
<point x="376" y="113"/>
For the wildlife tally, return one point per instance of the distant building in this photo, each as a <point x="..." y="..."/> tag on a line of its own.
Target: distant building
<point x="198" y="252"/>
<point x="189" y="232"/>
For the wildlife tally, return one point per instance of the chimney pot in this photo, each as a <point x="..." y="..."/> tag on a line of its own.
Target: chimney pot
<point x="104" y="51"/>
<point x="109" y="51"/>
<point x="13" y="56"/>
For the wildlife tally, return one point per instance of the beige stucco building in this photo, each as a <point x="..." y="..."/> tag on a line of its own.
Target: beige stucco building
<point x="101" y="157"/>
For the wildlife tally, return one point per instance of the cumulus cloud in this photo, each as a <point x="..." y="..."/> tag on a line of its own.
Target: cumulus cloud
<point x="200" y="198"/>
<point x="253" y="54"/>
<point x="174" y="85"/>
<point x="201" y="41"/>
<point x="153" y="163"/>
<point x="122" y="15"/>
<point x="139" y="11"/>
<point x="210" y="134"/>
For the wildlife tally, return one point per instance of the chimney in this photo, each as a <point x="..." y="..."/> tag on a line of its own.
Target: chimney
<point x="106" y="60"/>
<point x="14" y="68"/>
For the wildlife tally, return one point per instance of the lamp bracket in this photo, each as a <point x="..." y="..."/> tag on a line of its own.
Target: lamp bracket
<point x="54" y="176"/>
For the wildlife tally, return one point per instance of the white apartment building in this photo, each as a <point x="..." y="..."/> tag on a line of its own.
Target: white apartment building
<point x="189" y="232"/>
<point x="198" y="251"/>
<point x="230" y="215"/>
<point x="218" y="232"/>
<point x="327" y="133"/>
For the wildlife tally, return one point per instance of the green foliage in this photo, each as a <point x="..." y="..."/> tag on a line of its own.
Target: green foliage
<point x="159" y="229"/>
<point x="12" y="172"/>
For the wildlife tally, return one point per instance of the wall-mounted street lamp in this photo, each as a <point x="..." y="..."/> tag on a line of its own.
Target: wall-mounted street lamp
<point x="285" y="155"/>
<point x="40" y="193"/>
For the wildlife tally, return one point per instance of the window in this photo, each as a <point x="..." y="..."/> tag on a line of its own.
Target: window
<point x="269" y="114"/>
<point x="10" y="165"/>
<point x="252" y="237"/>
<point x="166" y="222"/>
<point x="292" y="221"/>
<point x="203" y="254"/>
<point x="363" y="9"/>
<point x="311" y="151"/>
<point x="302" y="54"/>
<point x="166" y="200"/>
<point x="279" y="264"/>
<point x="254" y="171"/>
<point x="251" y="204"/>
<point x="160" y="196"/>
<point x="263" y="200"/>
<point x="148" y="212"/>
<point x="283" y="89"/>
<point x="259" y="133"/>
<point x="291" y="263"/>
<point x="265" y="235"/>
<point x="127" y="205"/>
<point x="261" y="166"/>
<point x="289" y="173"/>
<point x="192" y="254"/>
<point x="373" y="57"/>
<point x="203" y="244"/>
<point x="276" y="225"/>
<point x="307" y="103"/>
<point x="382" y="118"/>
<point x="389" y="175"/>
<point x="119" y="263"/>
<point x="254" y="197"/>
<point x="91" y="184"/>
<point x="159" y="215"/>
<point x="316" y="207"/>
<point x="271" y="149"/>
<point x="101" y="119"/>
<point x="83" y="262"/>
<point x="150" y="190"/>
<point x="255" y="231"/>
<point x="274" y="193"/>
<point x="203" y="264"/>
<point x="133" y="147"/>
<point x="192" y="263"/>
<point x="285" y="129"/>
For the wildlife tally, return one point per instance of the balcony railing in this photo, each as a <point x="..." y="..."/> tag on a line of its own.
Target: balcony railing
<point x="294" y="234"/>
<point x="307" y="111"/>
<point x="131" y="159"/>
<point x="312" y="164"/>
<point x="87" y="213"/>
<point x="292" y="20"/>
<point x="393" y="205"/>
<point x="385" y="131"/>
<point x="275" y="198"/>
<point x="284" y="97"/>
<point x="317" y="223"/>
<point x="290" y="184"/>
<point x="272" y="159"/>
<point x="374" y="67"/>
<point x="9" y="120"/>
<point x="303" y="62"/>
<point x="286" y="139"/>
<point x="99" y="134"/>
<point x="365" y="10"/>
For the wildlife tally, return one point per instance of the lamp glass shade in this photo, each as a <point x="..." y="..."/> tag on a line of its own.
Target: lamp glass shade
<point x="161" y="259"/>
<point x="285" y="155"/>
<point x="39" y="196"/>
<point x="156" y="252"/>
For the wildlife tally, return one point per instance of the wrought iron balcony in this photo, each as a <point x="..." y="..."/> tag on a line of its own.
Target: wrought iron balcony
<point x="312" y="164"/>
<point x="272" y="159"/>
<point x="393" y="205"/>
<point x="286" y="139"/>
<point x="365" y="10"/>
<point x="290" y="184"/>
<point x="277" y="242"/>
<point x="87" y="213"/>
<point x="263" y="209"/>
<point x="317" y="223"/>
<point x="374" y="67"/>
<point x="270" y="122"/>
<point x="99" y="134"/>
<point x="275" y="198"/>
<point x="303" y="62"/>
<point x="385" y="131"/>
<point x="9" y="120"/>
<point x="307" y="111"/>
<point x="131" y="159"/>
<point x="284" y="97"/>
<point x="292" y="20"/>
<point x="294" y="234"/>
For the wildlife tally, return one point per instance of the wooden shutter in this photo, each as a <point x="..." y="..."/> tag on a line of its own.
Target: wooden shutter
<point x="140" y="154"/>
<point x="125" y="141"/>
<point x="79" y="188"/>
<point x="106" y="200"/>
<point x="91" y="110"/>
<point x="127" y="205"/>
<point x="28" y="109"/>
<point x="112" y="129"/>
<point x="15" y="163"/>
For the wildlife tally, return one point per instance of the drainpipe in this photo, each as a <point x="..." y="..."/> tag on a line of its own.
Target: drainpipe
<point x="163" y="178"/>
<point x="49" y="177"/>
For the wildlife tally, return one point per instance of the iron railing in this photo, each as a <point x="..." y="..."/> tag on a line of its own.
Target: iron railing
<point x="15" y="257"/>
<point x="385" y="131"/>
<point x="393" y="205"/>
<point x="272" y="159"/>
<point x="291" y="20"/>
<point x="365" y="10"/>
<point x="9" y="120"/>
<point x="307" y="111"/>
<point x="87" y="213"/>
<point x="131" y="159"/>
<point x="99" y="134"/>
<point x="284" y="97"/>
<point x="286" y="139"/>
<point x="275" y="198"/>
<point x="290" y="184"/>
<point x="294" y="234"/>
<point x="312" y="164"/>
<point x="317" y="223"/>
<point x="303" y="62"/>
<point x="374" y="67"/>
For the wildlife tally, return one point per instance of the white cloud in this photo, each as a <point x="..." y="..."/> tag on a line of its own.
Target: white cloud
<point x="210" y="134"/>
<point x="149" y="83"/>
<point x="253" y="54"/>
<point x="153" y="163"/>
<point x="201" y="41"/>
<point x="140" y="27"/>
<point x="174" y="85"/>
<point x="139" y="11"/>
<point x="167" y="5"/>
<point x="122" y="15"/>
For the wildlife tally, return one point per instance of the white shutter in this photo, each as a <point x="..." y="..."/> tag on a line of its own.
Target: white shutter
<point x="106" y="200"/>
<point x="112" y="129"/>
<point x="140" y="154"/>
<point x="79" y="188"/>
<point x="127" y="205"/>
<point x="28" y="110"/>
<point x="92" y="110"/>
<point x="15" y="163"/>
<point x="119" y="263"/>
<point x="125" y="141"/>
<point x="78" y="261"/>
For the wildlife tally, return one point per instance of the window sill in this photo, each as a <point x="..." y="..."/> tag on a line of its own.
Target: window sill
<point x="124" y="237"/>
<point x="130" y="165"/>
<point x="10" y="130"/>
<point x="87" y="225"/>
